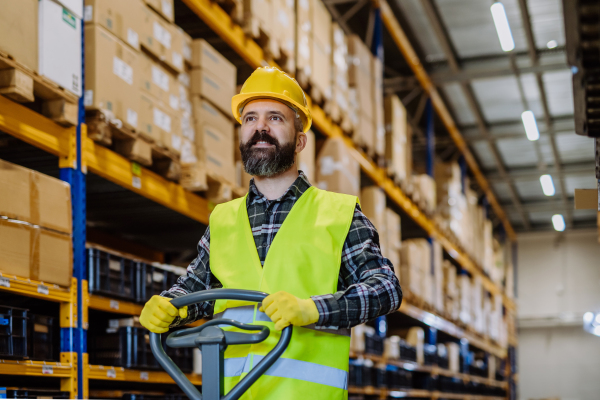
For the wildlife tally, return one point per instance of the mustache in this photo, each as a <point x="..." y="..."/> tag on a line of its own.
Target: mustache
<point x="262" y="136"/>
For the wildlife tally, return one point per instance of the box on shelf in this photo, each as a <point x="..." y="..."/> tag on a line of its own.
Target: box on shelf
<point x="321" y="49"/>
<point x="159" y="123"/>
<point x="397" y="144"/>
<point x="19" y="31"/>
<point x="303" y="41"/>
<point x="158" y="39"/>
<point x="378" y="107"/>
<point x="35" y="198"/>
<point x="164" y="7"/>
<point x="438" y="276"/>
<point x="338" y="108"/>
<point x="206" y="114"/>
<point x="204" y="56"/>
<point x="74" y="6"/>
<point x="337" y="171"/>
<point x="122" y="18"/>
<point x="425" y="185"/>
<point x="159" y="83"/>
<point x="208" y="85"/>
<point x="284" y="23"/>
<point x="415" y="272"/>
<point x="59" y="45"/>
<point x="112" y="77"/>
<point x="392" y="239"/>
<point x="465" y="299"/>
<point x="306" y="158"/>
<point x="372" y="201"/>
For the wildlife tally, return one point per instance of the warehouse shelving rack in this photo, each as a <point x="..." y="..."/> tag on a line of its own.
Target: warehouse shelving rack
<point x="78" y="155"/>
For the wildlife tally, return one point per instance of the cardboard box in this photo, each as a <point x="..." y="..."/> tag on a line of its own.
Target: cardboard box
<point x="19" y="31"/>
<point x="321" y="22"/>
<point x="55" y="258"/>
<point x="372" y="201"/>
<point x="340" y="100"/>
<point x="219" y="150"/>
<point x="158" y="123"/>
<point x="157" y="39"/>
<point x="337" y="171"/>
<point x="206" y="114"/>
<point x="396" y="135"/>
<point x="164" y="7"/>
<point x="112" y="76"/>
<point x="59" y="45"/>
<point x="193" y="175"/>
<point x="16" y="239"/>
<point x="364" y="133"/>
<point x="378" y="107"/>
<point x="35" y="198"/>
<point x="321" y="68"/>
<point x="122" y="18"/>
<point x="360" y="74"/>
<point x="177" y="57"/>
<point x="304" y="37"/>
<point x="306" y="158"/>
<point x="204" y="56"/>
<point x="74" y="6"/>
<point x="209" y="86"/>
<point x="159" y="83"/>
<point x="284" y="23"/>
<point x="392" y="230"/>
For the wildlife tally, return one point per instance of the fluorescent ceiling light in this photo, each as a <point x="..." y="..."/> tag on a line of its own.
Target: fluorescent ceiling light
<point x="530" y="124"/>
<point x="559" y="222"/>
<point x="502" y="27"/>
<point x="597" y="320"/>
<point x="552" y="44"/>
<point x="547" y="185"/>
<point x="588" y="317"/>
<point x="596" y="331"/>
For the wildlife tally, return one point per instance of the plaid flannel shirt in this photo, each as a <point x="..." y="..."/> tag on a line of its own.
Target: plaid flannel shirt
<point x="367" y="287"/>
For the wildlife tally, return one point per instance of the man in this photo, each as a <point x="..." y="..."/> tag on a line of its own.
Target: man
<point x="313" y="251"/>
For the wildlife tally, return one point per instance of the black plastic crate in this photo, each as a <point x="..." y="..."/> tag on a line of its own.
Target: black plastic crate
<point x="36" y="394"/>
<point x="13" y="332"/>
<point x="42" y="330"/>
<point x="430" y="354"/>
<point x="407" y="352"/>
<point x="152" y="280"/>
<point x="373" y="344"/>
<point x="110" y="274"/>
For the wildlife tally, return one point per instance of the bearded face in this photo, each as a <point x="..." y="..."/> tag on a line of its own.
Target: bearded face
<point x="264" y="156"/>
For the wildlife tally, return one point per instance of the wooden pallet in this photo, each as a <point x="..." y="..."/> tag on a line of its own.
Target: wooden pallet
<point x="132" y="144"/>
<point x="196" y="178"/>
<point x="23" y="85"/>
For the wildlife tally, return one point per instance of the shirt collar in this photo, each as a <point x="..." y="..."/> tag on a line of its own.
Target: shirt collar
<point x="293" y="192"/>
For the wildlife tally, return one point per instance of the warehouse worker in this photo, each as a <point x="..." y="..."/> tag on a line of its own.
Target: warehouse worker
<point x="313" y="251"/>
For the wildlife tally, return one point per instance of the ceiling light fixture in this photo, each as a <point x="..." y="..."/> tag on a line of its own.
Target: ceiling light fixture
<point x="559" y="222"/>
<point x="547" y="185"/>
<point x="552" y="44"/>
<point x="502" y="27"/>
<point x="530" y="124"/>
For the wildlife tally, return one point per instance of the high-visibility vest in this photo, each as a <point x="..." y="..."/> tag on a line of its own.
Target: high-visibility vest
<point x="304" y="260"/>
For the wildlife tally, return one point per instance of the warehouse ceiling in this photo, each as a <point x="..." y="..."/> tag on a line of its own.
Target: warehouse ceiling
<point x="487" y="89"/>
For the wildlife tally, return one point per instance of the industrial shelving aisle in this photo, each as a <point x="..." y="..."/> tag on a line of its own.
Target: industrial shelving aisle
<point x="79" y="155"/>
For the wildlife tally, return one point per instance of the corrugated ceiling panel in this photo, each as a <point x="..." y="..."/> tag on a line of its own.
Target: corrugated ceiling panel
<point x="459" y="104"/>
<point x="502" y="191"/>
<point x="547" y="22"/>
<point x="499" y="98"/>
<point x="580" y="182"/>
<point x="559" y="89"/>
<point x="484" y="155"/>
<point x="531" y="189"/>
<point x="532" y="94"/>
<point x="573" y="148"/>
<point x="471" y="27"/>
<point x="541" y="217"/>
<point x="417" y="19"/>
<point x="517" y="152"/>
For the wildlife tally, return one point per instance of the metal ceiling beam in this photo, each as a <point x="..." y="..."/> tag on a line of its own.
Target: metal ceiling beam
<point x="563" y="123"/>
<point x="440" y="78"/>
<point x="532" y="173"/>
<point x="443" y="39"/>
<point x="512" y="135"/>
<point x="546" y="205"/>
<point x="538" y="75"/>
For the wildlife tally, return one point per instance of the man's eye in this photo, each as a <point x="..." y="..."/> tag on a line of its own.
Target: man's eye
<point x="275" y="117"/>
<point x="248" y="119"/>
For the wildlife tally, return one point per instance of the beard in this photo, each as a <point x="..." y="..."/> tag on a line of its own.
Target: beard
<point x="267" y="162"/>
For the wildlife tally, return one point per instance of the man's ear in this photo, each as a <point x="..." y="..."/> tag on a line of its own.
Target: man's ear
<point x="301" y="142"/>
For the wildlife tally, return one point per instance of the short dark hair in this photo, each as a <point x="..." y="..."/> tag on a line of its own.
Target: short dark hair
<point x="298" y="125"/>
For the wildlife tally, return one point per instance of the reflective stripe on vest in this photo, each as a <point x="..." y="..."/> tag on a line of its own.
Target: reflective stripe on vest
<point x="288" y="368"/>
<point x="304" y="259"/>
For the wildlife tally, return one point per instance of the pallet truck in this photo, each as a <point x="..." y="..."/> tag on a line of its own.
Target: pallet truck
<point x="212" y="341"/>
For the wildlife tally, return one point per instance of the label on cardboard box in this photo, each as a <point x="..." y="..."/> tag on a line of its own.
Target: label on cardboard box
<point x="167" y="9"/>
<point x="176" y="142"/>
<point x="122" y="70"/>
<point x="132" y="117"/>
<point x="4" y="282"/>
<point x="174" y="102"/>
<point x="88" y="98"/>
<point x="133" y="38"/>
<point x="160" y="78"/>
<point x="162" y="35"/>
<point x="177" y="60"/>
<point x="88" y="13"/>
<point x="162" y="120"/>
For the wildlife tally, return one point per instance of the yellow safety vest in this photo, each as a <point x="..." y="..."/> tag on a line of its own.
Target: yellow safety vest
<point x="304" y="260"/>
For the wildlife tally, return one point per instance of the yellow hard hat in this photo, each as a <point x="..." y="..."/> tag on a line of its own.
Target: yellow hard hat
<point x="272" y="83"/>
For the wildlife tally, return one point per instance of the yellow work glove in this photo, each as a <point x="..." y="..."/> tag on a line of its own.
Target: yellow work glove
<point x="158" y="314"/>
<point x="286" y="309"/>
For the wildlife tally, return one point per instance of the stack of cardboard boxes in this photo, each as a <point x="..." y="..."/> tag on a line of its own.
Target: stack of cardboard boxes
<point x="360" y="79"/>
<point x="339" y="107"/>
<point x="213" y="84"/>
<point x="35" y="226"/>
<point x="336" y="169"/>
<point x="415" y="270"/>
<point x="134" y="55"/>
<point x="398" y="151"/>
<point x="44" y="36"/>
<point x="314" y="50"/>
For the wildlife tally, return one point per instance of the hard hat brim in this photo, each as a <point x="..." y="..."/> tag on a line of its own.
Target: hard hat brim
<point x="240" y="100"/>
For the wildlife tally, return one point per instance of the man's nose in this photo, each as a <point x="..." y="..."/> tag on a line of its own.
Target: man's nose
<point x="262" y="125"/>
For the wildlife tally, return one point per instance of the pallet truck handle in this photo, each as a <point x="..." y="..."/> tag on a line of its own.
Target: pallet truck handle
<point x="219" y="294"/>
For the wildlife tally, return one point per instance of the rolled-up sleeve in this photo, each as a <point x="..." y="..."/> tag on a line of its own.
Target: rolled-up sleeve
<point x="367" y="285"/>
